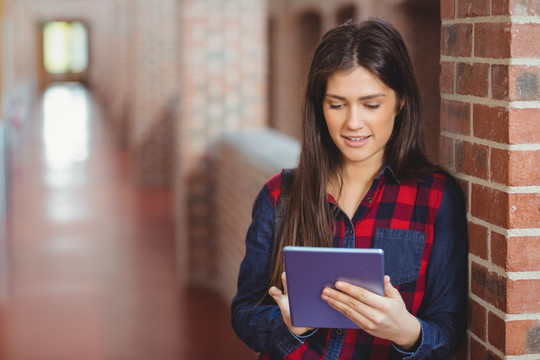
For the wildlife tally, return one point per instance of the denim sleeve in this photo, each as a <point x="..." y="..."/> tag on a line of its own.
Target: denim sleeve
<point x="443" y="312"/>
<point x="260" y="325"/>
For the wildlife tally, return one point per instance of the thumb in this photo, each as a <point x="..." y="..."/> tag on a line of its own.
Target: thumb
<point x="389" y="290"/>
<point x="276" y="294"/>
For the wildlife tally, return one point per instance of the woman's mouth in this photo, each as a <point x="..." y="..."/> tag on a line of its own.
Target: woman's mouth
<point x="356" y="141"/>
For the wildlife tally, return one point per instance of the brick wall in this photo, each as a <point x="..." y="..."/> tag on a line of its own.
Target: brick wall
<point x="490" y="138"/>
<point x="222" y="88"/>
<point x="155" y="86"/>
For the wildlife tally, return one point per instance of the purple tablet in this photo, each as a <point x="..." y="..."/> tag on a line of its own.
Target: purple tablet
<point x="311" y="269"/>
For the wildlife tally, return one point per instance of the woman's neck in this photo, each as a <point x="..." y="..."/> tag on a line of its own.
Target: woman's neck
<point x="357" y="179"/>
<point x="362" y="172"/>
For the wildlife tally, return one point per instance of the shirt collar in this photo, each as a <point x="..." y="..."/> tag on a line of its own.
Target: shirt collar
<point x="389" y="170"/>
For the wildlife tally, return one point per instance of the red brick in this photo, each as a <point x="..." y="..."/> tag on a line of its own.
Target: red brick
<point x="525" y="40"/>
<point x="492" y="40"/>
<point x="446" y="152"/>
<point x="478" y="245"/>
<point x="524" y="126"/>
<point x="490" y="205"/>
<point x="499" y="166"/>
<point x="496" y="332"/>
<point x="456" y="39"/>
<point x="523" y="168"/>
<point x="523" y="253"/>
<point x="523" y="337"/>
<point x="477" y="350"/>
<point x="455" y="117"/>
<point x="489" y="286"/>
<point x="447" y="77"/>
<point x="500" y="7"/>
<point x="499" y="250"/>
<point x="524" y="83"/>
<point x="448" y="9"/>
<point x="515" y="168"/>
<point x="490" y="123"/>
<point x="469" y="8"/>
<point x="472" y="79"/>
<point x="524" y="210"/>
<point x="477" y="319"/>
<point x="499" y="82"/>
<point x="472" y="159"/>
<point x="524" y="7"/>
<point x="520" y="296"/>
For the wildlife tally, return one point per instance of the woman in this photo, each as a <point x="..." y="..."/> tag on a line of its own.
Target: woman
<point x="363" y="180"/>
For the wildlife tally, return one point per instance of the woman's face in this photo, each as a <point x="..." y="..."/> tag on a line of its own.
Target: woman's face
<point x="359" y="111"/>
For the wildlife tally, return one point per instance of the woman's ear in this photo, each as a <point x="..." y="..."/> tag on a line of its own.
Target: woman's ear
<point x="399" y="106"/>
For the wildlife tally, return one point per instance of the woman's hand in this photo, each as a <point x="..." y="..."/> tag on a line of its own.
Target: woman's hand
<point x="384" y="317"/>
<point x="282" y="300"/>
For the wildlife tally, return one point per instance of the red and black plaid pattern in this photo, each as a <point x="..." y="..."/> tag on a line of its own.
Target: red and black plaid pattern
<point x="389" y="204"/>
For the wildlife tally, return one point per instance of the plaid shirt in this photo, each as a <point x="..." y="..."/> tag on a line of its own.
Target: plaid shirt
<point x="420" y="225"/>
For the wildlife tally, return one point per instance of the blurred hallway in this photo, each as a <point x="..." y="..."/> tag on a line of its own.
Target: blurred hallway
<point x="92" y="268"/>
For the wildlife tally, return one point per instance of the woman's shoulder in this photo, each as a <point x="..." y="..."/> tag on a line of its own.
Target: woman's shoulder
<point x="437" y="181"/>
<point x="274" y="185"/>
<point x="445" y="187"/>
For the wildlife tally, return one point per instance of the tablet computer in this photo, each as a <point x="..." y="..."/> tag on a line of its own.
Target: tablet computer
<point x="310" y="269"/>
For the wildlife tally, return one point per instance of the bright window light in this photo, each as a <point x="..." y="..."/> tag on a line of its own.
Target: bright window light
<point x="65" y="47"/>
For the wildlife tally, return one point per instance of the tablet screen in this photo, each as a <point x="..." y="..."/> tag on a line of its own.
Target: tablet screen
<point x="311" y="269"/>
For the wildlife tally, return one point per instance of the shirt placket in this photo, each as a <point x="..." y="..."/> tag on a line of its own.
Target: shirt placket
<point x="334" y="345"/>
<point x="338" y="335"/>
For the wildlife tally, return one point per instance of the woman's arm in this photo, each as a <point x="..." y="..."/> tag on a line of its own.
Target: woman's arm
<point x="260" y="325"/>
<point x="443" y="312"/>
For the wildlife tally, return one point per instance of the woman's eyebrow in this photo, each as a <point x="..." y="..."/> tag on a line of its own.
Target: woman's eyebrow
<point x="361" y="98"/>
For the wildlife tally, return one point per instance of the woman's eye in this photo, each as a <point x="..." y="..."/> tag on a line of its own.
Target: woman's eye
<point x="373" y="106"/>
<point x="338" y="106"/>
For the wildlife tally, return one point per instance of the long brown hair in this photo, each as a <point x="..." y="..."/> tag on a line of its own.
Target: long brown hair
<point x="378" y="47"/>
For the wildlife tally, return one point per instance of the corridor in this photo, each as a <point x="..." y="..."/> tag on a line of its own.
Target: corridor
<point x="91" y="256"/>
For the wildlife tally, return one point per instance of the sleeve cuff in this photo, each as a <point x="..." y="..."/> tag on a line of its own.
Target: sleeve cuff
<point x="305" y="335"/>
<point x="287" y="342"/>
<point x="420" y="345"/>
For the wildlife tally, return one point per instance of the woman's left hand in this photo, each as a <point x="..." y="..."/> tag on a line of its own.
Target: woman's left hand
<point x="384" y="317"/>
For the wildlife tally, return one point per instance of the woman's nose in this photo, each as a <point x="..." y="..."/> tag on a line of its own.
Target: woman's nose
<point x="354" y="118"/>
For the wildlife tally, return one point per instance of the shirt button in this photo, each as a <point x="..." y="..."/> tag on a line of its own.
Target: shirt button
<point x="339" y="331"/>
<point x="369" y="200"/>
<point x="349" y="232"/>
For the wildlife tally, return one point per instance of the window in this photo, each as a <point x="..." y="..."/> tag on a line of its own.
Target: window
<point x="65" y="47"/>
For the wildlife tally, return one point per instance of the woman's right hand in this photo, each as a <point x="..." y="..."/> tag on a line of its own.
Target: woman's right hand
<point x="282" y="299"/>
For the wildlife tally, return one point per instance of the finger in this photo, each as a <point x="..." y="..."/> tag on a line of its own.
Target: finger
<point x="345" y="299"/>
<point x="275" y="292"/>
<point x="365" y="296"/>
<point x="389" y="290"/>
<point x="284" y="281"/>
<point x="350" y="307"/>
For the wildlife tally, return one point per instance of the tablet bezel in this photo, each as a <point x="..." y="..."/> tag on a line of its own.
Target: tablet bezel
<point x="310" y="269"/>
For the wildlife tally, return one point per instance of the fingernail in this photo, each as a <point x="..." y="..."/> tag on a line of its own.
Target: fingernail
<point x="326" y="291"/>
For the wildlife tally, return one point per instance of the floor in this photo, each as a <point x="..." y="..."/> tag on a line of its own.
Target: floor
<point x="91" y="257"/>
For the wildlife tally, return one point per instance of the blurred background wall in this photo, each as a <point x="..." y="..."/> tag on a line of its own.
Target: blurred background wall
<point x="206" y="95"/>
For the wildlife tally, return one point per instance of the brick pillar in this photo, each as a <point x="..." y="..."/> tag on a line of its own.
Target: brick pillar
<point x="490" y="138"/>
<point x="223" y="88"/>
<point x="155" y="88"/>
